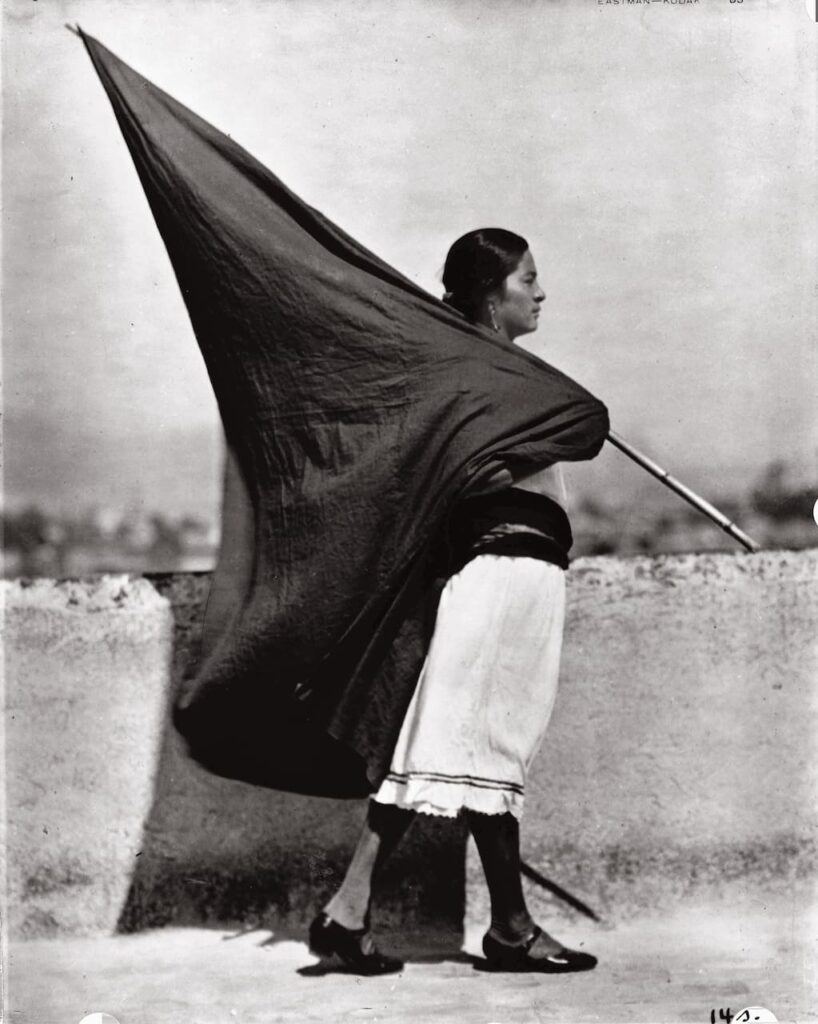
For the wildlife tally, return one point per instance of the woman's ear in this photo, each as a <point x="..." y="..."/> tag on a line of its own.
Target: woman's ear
<point x="487" y="314"/>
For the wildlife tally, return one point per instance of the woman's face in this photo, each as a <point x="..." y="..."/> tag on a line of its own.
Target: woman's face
<point x="517" y="302"/>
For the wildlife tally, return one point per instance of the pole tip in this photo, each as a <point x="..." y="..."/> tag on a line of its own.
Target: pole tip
<point x="75" y="29"/>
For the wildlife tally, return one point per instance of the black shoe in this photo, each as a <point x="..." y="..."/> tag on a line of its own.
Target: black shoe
<point x="523" y="957"/>
<point x="328" y="938"/>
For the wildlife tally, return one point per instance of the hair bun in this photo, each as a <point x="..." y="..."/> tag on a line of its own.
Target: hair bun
<point x="451" y="299"/>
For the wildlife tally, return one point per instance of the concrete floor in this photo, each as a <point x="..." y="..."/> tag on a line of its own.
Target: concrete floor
<point x="663" y="970"/>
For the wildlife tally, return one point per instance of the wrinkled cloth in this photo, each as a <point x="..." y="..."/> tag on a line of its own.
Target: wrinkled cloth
<point x="486" y="691"/>
<point x="358" y="411"/>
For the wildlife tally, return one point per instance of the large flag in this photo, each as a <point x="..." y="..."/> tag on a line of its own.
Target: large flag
<point x="358" y="411"/>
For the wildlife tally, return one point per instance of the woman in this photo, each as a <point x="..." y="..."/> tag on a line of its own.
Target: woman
<point x="360" y="415"/>
<point x="488" y="683"/>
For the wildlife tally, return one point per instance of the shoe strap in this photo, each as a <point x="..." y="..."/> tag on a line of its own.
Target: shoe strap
<point x="357" y="933"/>
<point x="529" y="942"/>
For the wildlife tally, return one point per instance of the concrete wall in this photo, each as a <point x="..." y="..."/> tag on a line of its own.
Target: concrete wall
<point x="86" y="686"/>
<point x="681" y="760"/>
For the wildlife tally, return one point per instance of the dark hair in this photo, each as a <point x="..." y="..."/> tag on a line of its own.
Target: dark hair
<point x="478" y="263"/>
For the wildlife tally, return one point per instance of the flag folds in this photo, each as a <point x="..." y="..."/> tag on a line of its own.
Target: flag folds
<point x="358" y="411"/>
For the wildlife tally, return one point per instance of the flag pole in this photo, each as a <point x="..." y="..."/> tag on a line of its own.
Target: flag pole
<point x="690" y="496"/>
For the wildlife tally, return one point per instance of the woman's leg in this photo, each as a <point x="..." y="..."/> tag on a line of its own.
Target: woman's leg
<point x="514" y="942"/>
<point x="498" y="842"/>
<point x="383" y="829"/>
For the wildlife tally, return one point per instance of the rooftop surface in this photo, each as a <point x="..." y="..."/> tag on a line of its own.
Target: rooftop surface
<point x="685" y="967"/>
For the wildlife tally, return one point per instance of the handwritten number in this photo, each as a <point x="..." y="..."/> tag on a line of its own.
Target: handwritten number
<point x="725" y="1015"/>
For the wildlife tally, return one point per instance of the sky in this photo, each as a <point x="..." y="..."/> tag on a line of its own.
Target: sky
<point x="658" y="157"/>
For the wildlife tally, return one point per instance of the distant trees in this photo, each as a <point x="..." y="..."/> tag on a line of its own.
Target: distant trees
<point x="773" y="496"/>
<point x="37" y="543"/>
<point x="775" y="512"/>
<point x="26" y="531"/>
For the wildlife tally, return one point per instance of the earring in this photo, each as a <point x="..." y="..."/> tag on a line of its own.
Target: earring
<point x="494" y="323"/>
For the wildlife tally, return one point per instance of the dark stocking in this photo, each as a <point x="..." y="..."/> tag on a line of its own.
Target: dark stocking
<point x="498" y="842"/>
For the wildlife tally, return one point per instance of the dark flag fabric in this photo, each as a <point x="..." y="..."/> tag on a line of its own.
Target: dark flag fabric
<point x="358" y="411"/>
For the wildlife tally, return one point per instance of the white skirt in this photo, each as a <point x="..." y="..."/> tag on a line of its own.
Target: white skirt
<point x="485" y="692"/>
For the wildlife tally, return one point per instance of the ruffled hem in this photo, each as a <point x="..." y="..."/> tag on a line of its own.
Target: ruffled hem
<point x="447" y="799"/>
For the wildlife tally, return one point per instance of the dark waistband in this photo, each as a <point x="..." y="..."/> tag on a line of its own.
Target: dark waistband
<point x="510" y="522"/>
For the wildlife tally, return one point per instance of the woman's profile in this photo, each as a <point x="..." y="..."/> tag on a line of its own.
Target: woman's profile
<point x="489" y="679"/>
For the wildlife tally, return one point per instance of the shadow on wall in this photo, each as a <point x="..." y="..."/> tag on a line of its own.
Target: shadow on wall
<point x="681" y="761"/>
<point x="220" y="852"/>
<point x="680" y="764"/>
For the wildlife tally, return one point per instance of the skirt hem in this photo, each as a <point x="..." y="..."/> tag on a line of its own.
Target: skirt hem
<point x="446" y="800"/>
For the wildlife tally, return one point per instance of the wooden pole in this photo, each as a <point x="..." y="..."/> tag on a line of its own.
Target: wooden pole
<point x="690" y="496"/>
